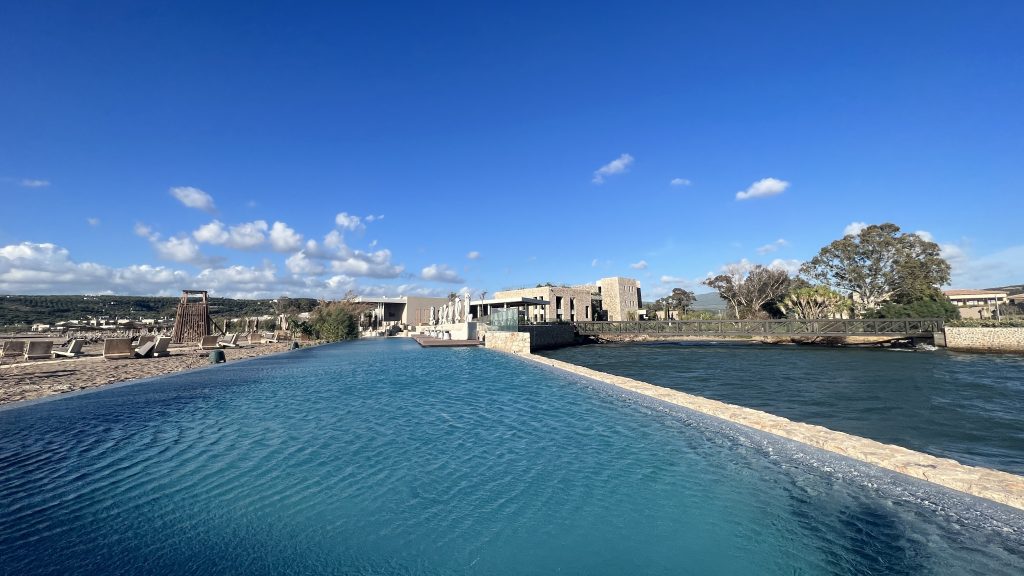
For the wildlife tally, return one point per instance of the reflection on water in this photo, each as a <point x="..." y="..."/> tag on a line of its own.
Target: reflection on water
<point x="379" y="457"/>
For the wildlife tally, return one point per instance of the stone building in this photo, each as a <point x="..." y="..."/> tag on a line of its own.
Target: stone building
<point x="976" y="304"/>
<point x="564" y="303"/>
<point x="620" y="297"/>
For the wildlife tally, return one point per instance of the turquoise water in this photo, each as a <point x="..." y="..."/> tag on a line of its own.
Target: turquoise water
<point x="378" y="457"/>
<point x="969" y="407"/>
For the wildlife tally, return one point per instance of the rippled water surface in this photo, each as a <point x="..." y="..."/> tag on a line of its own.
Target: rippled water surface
<point x="378" y="457"/>
<point x="969" y="407"/>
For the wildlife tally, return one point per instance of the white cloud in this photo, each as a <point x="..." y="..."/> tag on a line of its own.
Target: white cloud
<point x="372" y="218"/>
<point x="762" y="188"/>
<point x="143" y="230"/>
<point x="341" y="282"/>
<point x="29" y="268"/>
<point x="772" y="247"/>
<point x="178" y="249"/>
<point x="33" y="183"/>
<point x="212" y="233"/>
<point x="245" y="236"/>
<point x="594" y="263"/>
<point x="473" y="255"/>
<point x="617" y="166"/>
<point x="680" y="182"/>
<point x="283" y="238"/>
<point x="641" y="265"/>
<point x="790" y="266"/>
<point x="925" y="235"/>
<point x="348" y="221"/>
<point x="298" y="263"/>
<point x="441" y="273"/>
<point x="854" y="228"/>
<point x="370" y="264"/>
<point x="193" y="198"/>
<point x="93" y="221"/>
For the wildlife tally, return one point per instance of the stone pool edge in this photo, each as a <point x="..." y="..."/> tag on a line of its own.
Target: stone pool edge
<point x="994" y="485"/>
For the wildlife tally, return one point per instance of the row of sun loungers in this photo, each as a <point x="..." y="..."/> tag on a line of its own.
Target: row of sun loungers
<point x="39" y="349"/>
<point x="116" y="348"/>
<point x="147" y="347"/>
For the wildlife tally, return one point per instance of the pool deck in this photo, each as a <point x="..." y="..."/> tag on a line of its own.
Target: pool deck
<point x="431" y="342"/>
<point x="994" y="485"/>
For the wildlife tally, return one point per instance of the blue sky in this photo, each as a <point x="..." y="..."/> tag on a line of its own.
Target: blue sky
<point x="261" y="148"/>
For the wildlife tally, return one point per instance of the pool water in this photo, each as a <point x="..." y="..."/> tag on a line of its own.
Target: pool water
<point x="378" y="457"/>
<point x="968" y="407"/>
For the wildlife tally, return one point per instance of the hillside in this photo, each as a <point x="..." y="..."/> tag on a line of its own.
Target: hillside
<point x="20" y="310"/>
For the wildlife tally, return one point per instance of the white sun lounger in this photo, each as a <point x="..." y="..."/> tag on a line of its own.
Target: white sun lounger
<point x="231" y="341"/>
<point x="73" y="350"/>
<point x="160" y="346"/>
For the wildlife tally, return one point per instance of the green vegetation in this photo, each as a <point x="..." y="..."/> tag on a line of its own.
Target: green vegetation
<point x="334" y="321"/>
<point x="810" y="302"/>
<point x="880" y="265"/>
<point x="877" y="273"/>
<point x="924" y="308"/>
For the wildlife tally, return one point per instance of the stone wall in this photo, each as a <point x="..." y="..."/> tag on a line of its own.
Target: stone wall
<point x="994" y="339"/>
<point x="553" y="336"/>
<point x="619" y="297"/>
<point x="511" y="342"/>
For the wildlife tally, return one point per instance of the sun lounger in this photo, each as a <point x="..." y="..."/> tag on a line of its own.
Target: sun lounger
<point x="231" y="341"/>
<point x="270" y="337"/>
<point x="13" y="348"/>
<point x="73" y="350"/>
<point x="39" y="349"/>
<point x="210" y="343"/>
<point x="143" y="340"/>
<point x="117" y="348"/>
<point x="160" y="346"/>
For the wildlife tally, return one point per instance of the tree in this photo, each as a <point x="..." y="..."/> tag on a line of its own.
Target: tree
<point x="748" y="288"/>
<point x="879" y="265"/>
<point x="925" y="308"/>
<point x="680" y="299"/>
<point x="333" y="321"/>
<point x="813" y="302"/>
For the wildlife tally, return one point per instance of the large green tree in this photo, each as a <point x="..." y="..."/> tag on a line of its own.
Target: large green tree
<point x="678" y="300"/>
<point x="880" y="264"/>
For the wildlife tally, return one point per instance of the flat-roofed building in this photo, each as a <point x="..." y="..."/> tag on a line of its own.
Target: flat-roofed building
<point x="406" y="310"/>
<point x="977" y="303"/>
<point x="561" y="303"/>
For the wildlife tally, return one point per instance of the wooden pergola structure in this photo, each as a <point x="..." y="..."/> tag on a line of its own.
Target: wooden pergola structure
<point x="192" y="320"/>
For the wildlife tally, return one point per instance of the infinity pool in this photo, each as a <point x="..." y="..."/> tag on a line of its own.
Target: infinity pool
<point x="378" y="457"/>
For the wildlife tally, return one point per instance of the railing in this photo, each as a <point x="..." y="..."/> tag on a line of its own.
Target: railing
<point x="858" y="327"/>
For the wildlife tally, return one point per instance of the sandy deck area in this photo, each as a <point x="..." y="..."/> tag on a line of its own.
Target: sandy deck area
<point x="25" y="380"/>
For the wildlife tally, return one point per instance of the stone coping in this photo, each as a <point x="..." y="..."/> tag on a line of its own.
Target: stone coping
<point x="995" y="485"/>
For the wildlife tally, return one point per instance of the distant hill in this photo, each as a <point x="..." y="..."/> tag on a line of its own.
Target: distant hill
<point x="19" y="310"/>
<point x="1011" y="289"/>
<point x="709" y="301"/>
